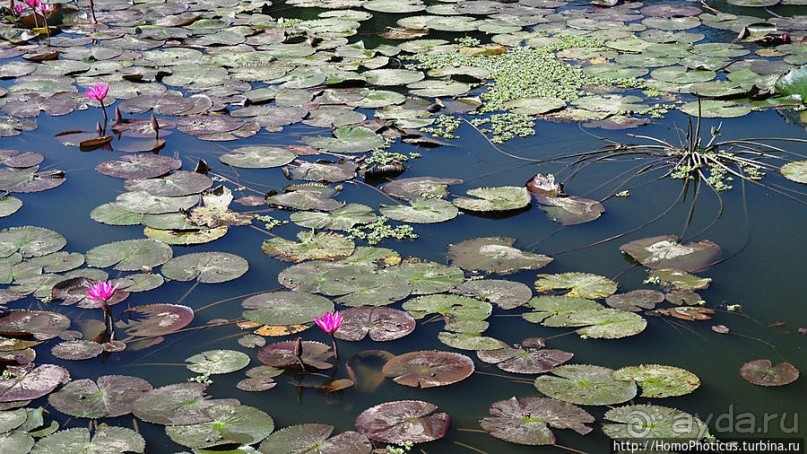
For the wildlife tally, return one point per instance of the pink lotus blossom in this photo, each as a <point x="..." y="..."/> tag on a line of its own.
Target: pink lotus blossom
<point x="98" y="91"/>
<point x="18" y="9"/>
<point x="329" y="322"/>
<point x="33" y="3"/>
<point x="45" y="9"/>
<point x="101" y="291"/>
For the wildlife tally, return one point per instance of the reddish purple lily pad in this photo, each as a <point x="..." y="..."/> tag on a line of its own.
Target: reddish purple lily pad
<point x="281" y="354"/>
<point x="381" y="323"/>
<point x="763" y="373"/>
<point x="33" y="384"/>
<point x="41" y="324"/>
<point x="74" y="291"/>
<point x="14" y="158"/>
<point x="29" y="179"/>
<point x="112" y="396"/>
<point x="525" y="420"/>
<point x="139" y="166"/>
<point x="525" y="360"/>
<point x="404" y="420"/>
<point x="155" y="319"/>
<point x="77" y="350"/>
<point x="427" y="369"/>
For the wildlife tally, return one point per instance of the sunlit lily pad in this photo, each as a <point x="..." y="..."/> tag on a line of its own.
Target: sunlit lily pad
<point x="389" y="77"/>
<point x="427" y="369"/>
<point x="348" y="139"/>
<point x="312" y="246"/>
<point x="762" y="372"/>
<point x="421" y="211"/>
<point x="303" y="438"/>
<point x="505" y="294"/>
<point x="323" y="171"/>
<point x="129" y="255"/>
<point x="525" y="420"/>
<point x="228" y="424"/>
<point x="285" y="308"/>
<point x="258" y="157"/>
<point x="143" y="202"/>
<point x="380" y="323"/>
<point x="281" y="355"/>
<point x="419" y="187"/>
<point x="139" y="166"/>
<point x="218" y="362"/>
<point x="155" y="319"/>
<point x="206" y="267"/>
<point x="305" y="198"/>
<point x="652" y="421"/>
<point x="665" y="252"/>
<point x="430" y="277"/>
<point x="343" y="218"/>
<point x="470" y="341"/>
<point x="635" y="300"/>
<point x="586" y="385"/>
<point x="450" y="306"/>
<point x="660" y="381"/>
<point x="505" y="198"/>
<point x="40" y="324"/>
<point x="571" y="210"/>
<point x="670" y="278"/>
<point x="581" y="285"/>
<point x="112" y="396"/>
<point x="178" y="184"/>
<point x="401" y="421"/>
<point x="9" y="205"/>
<point x="494" y="255"/>
<point x="713" y="108"/>
<point x="112" y="214"/>
<point x="29" y="179"/>
<point x="793" y="171"/>
<point x="30" y="241"/>
<point x="106" y="440"/>
<point x="37" y="382"/>
<point x="76" y="350"/>
<point x="178" y="404"/>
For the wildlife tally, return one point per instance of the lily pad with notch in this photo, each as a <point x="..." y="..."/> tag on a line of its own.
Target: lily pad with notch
<point x="110" y="396"/>
<point x="281" y="355"/>
<point x="312" y="246"/>
<point x="304" y="197"/>
<point x="205" y="267"/>
<point x="499" y="199"/>
<point x="218" y="362"/>
<point x="139" y="166"/>
<point x="258" y="157"/>
<point x="42" y="325"/>
<point x="382" y="324"/>
<point x="77" y="350"/>
<point x="429" y="277"/>
<point x="302" y="438"/>
<point x="636" y="300"/>
<point x="419" y="187"/>
<point x="343" y="218"/>
<point x="664" y="251"/>
<point x="580" y="285"/>
<point x="762" y="372"/>
<point x="29" y="179"/>
<point x="322" y="171"/>
<point x="658" y="381"/>
<point x="400" y="421"/>
<point x="793" y="171"/>
<point x="285" y="308"/>
<point x="143" y="202"/>
<point x="525" y="360"/>
<point x="129" y="255"/>
<point x="106" y="440"/>
<point x="154" y="320"/>
<point x="178" y="184"/>
<point x="571" y="210"/>
<point x="525" y="420"/>
<point x="33" y="384"/>
<point x="228" y="424"/>
<point x="177" y="404"/>
<point x="30" y="241"/>
<point x="652" y="421"/>
<point x="494" y="255"/>
<point x="421" y="211"/>
<point x="583" y="384"/>
<point x="348" y="139"/>
<point x="428" y="369"/>
<point x="470" y="341"/>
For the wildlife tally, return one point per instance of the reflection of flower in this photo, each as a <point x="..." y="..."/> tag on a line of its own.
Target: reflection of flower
<point x="329" y="322"/>
<point x="98" y="91"/>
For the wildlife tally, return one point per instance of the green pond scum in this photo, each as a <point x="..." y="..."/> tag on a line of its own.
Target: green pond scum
<point x="521" y="223"/>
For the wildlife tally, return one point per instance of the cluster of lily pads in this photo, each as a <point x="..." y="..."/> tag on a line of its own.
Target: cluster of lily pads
<point x="226" y="71"/>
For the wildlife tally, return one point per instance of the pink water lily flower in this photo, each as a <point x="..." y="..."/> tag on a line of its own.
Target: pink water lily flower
<point x="101" y="291"/>
<point x="329" y="322"/>
<point x="45" y="9"/>
<point x="98" y="91"/>
<point x="18" y="9"/>
<point x="33" y="3"/>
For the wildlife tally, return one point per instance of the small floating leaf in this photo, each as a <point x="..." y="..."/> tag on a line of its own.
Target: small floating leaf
<point x="762" y="372"/>
<point x="793" y="171"/>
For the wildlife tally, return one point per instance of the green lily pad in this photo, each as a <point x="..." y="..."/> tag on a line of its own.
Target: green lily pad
<point x="635" y="300"/>
<point x="585" y="385"/>
<point x="154" y="320"/>
<point x="218" y="362"/>
<point x="107" y="440"/>
<point x="670" y="278"/>
<point x="343" y="218"/>
<point x="428" y="369"/>
<point x="470" y="341"/>
<point x="419" y="187"/>
<point x="652" y="421"/>
<point x="534" y="106"/>
<point x="660" y="381"/>
<point x="205" y="267"/>
<point x="505" y="294"/>
<point x="285" y="308"/>
<point x="30" y="241"/>
<point x="178" y="404"/>
<point x="571" y="210"/>
<point x="494" y="255"/>
<point x="664" y="251"/>
<point x="112" y="214"/>
<point x="129" y="255"/>
<point x="762" y="372"/>
<point x="348" y="139"/>
<point x="305" y="198"/>
<point x="377" y="288"/>
<point x="712" y="108"/>
<point x="29" y="179"/>
<point x="9" y="205"/>
<point x="312" y="246"/>
<point x="793" y="171"/>
<point x="178" y="184"/>
<point x="143" y="202"/>
<point x="525" y="420"/>
<point x="794" y="83"/>
<point x="391" y="77"/>
<point x="186" y="237"/>
<point x="111" y="396"/>
<point x="323" y="171"/>
<point x="228" y="424"/>
<point x="430" y="277"/>
<point x="449" y="306"/>
<point x="505" y="198"/>
<point x="602" y="323"/>
<point x="258" y="157"/>
<point x="421" y="211"/>
<point x="581" y="285"/>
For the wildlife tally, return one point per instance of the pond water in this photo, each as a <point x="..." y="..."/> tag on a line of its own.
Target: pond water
<point x="756" y="291"/>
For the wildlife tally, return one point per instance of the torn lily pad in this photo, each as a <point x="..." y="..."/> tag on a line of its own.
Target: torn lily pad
<point x="525" y="420"/>
<point x="664" y="251"/>
<point x="494" y="255"/>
